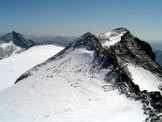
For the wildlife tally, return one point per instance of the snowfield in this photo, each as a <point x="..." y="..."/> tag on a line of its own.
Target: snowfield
<point x="67" y="89"/>
<point x="145" y="79"/>
<point x="12" y="67"/>
<point x="109" y="38"/>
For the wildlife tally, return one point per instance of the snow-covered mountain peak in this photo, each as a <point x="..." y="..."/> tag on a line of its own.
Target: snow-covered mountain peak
<point x="17" y="39"/>
<point x="108" y="39"/>
<point x="13" y="43"/>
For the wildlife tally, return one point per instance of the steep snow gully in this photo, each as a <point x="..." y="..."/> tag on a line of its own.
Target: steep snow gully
<point x="96" y="78"/>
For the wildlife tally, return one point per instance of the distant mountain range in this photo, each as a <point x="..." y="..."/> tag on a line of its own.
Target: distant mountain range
<point x="58" y="40"/>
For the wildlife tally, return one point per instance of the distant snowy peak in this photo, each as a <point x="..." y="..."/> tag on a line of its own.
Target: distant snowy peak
<point x="17" y="39"/>
<point x="13" y="43"/>
<point x="108" y="39"/>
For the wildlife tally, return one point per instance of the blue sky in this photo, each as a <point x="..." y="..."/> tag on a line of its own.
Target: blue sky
<point x="75" y="17"/>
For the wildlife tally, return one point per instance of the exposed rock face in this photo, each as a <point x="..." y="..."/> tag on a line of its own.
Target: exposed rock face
<point x="132" y="50"/>
<point x="115" y="57"/>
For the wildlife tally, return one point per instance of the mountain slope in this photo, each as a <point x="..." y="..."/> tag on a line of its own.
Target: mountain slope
<point x="13" y="67"/>
<point x="87" y="81"/>
<point x="13" y="43"/>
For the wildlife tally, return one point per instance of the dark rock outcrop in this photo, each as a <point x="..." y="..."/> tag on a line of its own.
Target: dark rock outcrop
<point x="132" y="50"/>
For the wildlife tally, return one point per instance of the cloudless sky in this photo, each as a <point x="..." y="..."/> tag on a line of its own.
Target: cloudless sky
<point x="75" y="17"/>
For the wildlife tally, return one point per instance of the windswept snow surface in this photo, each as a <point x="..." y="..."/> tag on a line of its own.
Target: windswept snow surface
<point x="145" y="79"/>
<point x="67" y="89"/>
<point x="109" y="38"/>
<point x="11" y="68"/>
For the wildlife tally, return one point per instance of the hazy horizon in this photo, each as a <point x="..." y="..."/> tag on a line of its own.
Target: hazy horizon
<point x="74" y="17"/>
